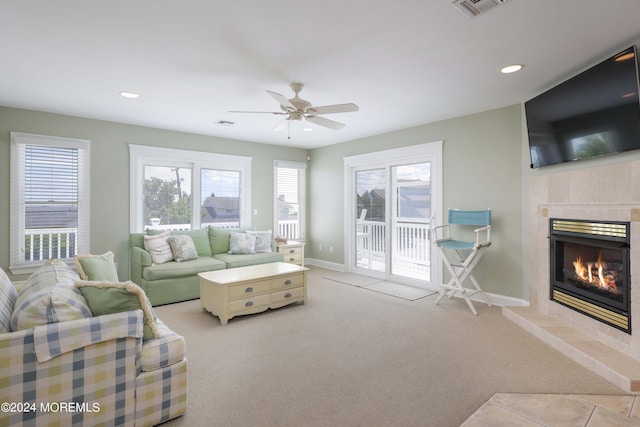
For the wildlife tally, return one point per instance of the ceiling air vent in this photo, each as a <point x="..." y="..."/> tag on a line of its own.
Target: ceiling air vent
<point x="474" y="8"/>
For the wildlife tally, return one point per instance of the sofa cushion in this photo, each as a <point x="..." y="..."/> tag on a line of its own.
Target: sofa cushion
<point x="175" y="270"/>
<point x="233" y="260"/>
<point x="158" y="247"/>
<point x="48" y="296"/>
<point x="114" y="297"/>
<point x="219" y="239"/>
<point x="242" y="243"/>
<point x="200" y="239"/>
<point x="8" y="295"/>
<point x="96" y="267"/>
<point x="166" y="350"/>
<point x="182" y="247"/>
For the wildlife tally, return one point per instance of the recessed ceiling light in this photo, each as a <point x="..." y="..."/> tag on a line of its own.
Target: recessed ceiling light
<point x="511" y="68"/>
<point x="308" y="129"/>
<point x="131" y="95"/>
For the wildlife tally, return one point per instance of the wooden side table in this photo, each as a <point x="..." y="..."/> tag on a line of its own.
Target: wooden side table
<point x="293" y="252"/>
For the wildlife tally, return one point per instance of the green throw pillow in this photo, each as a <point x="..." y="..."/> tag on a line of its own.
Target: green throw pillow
<point x="97" y="267"/>
<point x="113" y="297"/>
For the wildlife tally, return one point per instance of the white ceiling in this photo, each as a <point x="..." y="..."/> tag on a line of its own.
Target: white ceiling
<point x="404" y="62"/>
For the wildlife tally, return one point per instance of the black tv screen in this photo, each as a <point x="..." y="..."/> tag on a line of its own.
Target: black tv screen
<point x="592" y="114"/>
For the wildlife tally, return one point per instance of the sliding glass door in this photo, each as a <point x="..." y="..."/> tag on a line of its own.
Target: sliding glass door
<point x="410" y="220"/>
<point x="370" y="248"/>
<point x="393" y="198"/>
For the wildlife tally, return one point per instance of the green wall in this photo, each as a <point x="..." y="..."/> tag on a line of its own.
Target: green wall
<point x="110" y="171"/>
<point x="482" y="167"/>
<point x="482" y="158"/>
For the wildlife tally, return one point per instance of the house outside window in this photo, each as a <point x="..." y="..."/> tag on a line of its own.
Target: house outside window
<point x="174" y="189"/>
<point x="289" y="189"/>
<point x="49" y="200"/>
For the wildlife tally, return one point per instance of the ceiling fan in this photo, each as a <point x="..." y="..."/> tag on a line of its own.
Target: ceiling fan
<point x="297" y="108"/>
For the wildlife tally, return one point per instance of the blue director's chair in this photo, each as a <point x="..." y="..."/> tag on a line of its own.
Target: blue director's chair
<point x="467" y="253"/>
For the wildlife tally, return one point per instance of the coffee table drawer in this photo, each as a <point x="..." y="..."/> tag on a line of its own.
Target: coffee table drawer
<point x="248" y="289"/>
<point x="286" y="282"/>
<point x="287" y="295"/>
<point x="248" y="304"/>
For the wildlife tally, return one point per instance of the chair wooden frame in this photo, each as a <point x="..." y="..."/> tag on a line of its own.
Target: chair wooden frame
<point x="468" y="253"/>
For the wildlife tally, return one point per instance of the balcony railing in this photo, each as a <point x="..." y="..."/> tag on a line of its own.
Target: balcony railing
<point x="289" y="228"/>
<point x="46" y="243"/>
<point x="411" y="245"/>
<point x="181" y="227"/>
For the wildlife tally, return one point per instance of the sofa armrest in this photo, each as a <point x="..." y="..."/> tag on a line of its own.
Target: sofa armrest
<point x="140" y="259"/>
<point x="55" y="339"/>
<point x="99" y="378"/>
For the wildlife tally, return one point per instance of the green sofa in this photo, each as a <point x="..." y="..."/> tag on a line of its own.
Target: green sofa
<point x="178" y="281"/>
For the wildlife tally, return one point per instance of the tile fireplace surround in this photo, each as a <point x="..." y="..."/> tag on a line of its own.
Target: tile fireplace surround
<point x="607" y="193"/>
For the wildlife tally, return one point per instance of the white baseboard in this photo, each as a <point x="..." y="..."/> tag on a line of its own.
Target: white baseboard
<point x="324" y="264"/>
<point x="506" y="301"/>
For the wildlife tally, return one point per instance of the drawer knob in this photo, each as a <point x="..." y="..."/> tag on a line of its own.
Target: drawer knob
<point x="287" y="282"/>
<point x="287" y="295"/>
<point x="291" y="259"/>
<point x="248" y="290"/>
<point x="291" y="251"/>
<point x="248" y="304"/>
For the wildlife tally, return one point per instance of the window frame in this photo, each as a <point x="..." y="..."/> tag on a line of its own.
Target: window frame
<point x="144" y="155"/>
<point x="19" y="140"/>
<point x="302" y="195"/>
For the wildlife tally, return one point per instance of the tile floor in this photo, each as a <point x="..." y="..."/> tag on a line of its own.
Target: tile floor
<point x="536" y="410"/>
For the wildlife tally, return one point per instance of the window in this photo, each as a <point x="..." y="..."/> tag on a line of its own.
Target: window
<point x="49" y="199"/>
<point x="166" y="196"/>
<point x="290" y="199"/>
<point x="175" y="189"/>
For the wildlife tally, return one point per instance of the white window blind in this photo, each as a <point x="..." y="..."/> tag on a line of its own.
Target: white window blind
<point x="51" y="187"/>
<point x="49" y="199"/>
<point x="289" y="202"/>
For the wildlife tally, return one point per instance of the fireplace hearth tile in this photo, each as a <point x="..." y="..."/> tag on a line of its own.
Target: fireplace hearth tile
<point x="609" y="363"/>
<point x="620" y="404"/>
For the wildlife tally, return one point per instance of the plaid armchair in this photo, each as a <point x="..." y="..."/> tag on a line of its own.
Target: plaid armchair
<point x="92" y="371"/>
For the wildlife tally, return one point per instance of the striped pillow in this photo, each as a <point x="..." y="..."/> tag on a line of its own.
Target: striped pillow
<point x="8" y="296"/>
<point x="48" y="296"/>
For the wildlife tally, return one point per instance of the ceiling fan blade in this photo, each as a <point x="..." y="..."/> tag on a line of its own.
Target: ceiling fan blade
<point x="284" y="102"/>
<point x="325" y="122"/>
<point x="282" y="125"/>
<point x="329" y="109"/>
<point x="261" y="112"/>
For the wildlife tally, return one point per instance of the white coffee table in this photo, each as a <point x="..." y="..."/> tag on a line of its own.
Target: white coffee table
<point x="252" y="289"/>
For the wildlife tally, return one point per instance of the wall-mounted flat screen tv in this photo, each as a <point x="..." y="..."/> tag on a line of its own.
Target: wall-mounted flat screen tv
<point x="592" y="114"/>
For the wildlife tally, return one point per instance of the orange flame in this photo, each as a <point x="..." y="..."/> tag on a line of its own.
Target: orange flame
<point x="586" y="273"/>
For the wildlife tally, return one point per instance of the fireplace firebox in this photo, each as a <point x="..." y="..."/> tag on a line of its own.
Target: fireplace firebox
<point x="590" y="269"/>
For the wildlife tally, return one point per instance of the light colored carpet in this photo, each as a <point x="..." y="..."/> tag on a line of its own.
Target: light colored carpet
<point x="353" y="358"/>
<point x="397" y="290"/>
<point x="377" y="285"/>
<point x="350" y="278"/>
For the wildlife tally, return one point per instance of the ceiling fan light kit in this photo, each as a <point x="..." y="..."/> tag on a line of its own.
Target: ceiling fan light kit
<point x="297" y="109"/>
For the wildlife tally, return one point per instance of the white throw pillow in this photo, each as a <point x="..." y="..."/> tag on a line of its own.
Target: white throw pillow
<point x="242" y="243"/>
<point x="182" y="247"/>
<point x="158" y="247"/>
<point x="263" y="240"/>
